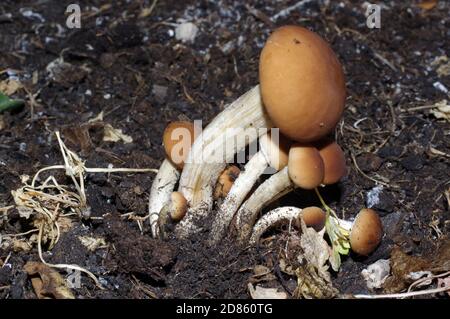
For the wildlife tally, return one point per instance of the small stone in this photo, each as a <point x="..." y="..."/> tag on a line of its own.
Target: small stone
<point x="376" y="273"/>
<point x="186" y="32"/>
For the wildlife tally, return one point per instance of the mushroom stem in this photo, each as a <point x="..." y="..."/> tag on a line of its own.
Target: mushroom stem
<point x="254" y="168"/>
<point x="273" y="218"/>
<point x="163" y="185"/>
<point x="246" y="117"/>
<point x="271" y="189"/>
<point x="345" y="224"/>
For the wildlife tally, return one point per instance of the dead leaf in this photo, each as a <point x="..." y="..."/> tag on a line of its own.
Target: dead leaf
<point x="427" y="4"/>
<point x="9" y="87"/>
<point x="311" y="285"/>
<point x="262" y="273"/>
<point x="114" y="135"/>
<point x="403" y="265"/>
<point x="92" y="243"/>
<point x="98" y="118"/>
<point x="21" y="245"/>
<point x="443" y="69"/>
<point x="442" y="65"/>
<point x="79" y="135"/>
<point x="47" y="283"/>
<point x="286" y="268"/>
<point x="265" y="293"/>
<point x="441" y="110"/>
<point x="146" y="12"/>
<point x="2" y="123"/>
<point x="316" y="250"/>
<point x="65" y="224"/>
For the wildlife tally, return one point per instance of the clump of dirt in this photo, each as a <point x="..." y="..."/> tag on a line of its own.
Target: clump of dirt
<point x="204" y="271"/>
<point x="135" y="253"/>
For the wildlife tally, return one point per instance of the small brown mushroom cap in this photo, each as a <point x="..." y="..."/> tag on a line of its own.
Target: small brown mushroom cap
<point x="302" y="83"/>
<point x="226" y="181"/>
<point x="305" y="166"/>
<point x="366" y="232"/>
<point x="178" y="206"/>
<point x="177" y="139"/>
<point x="314" y="217"/>
<point x="275" y="150"/>
<point x="333" y="160"/>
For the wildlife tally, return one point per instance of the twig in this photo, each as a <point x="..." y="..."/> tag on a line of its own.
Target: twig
<point x="288" y="10"/>
<point x="421" y="280"/>
<point x="405" y="294"/>
<point x="21" y="234"/>
<point x="371" y="178"/>
<point x="7" y="259"/>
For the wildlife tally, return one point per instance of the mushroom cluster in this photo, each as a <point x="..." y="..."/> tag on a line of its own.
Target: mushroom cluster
<point x="292" y="114"/>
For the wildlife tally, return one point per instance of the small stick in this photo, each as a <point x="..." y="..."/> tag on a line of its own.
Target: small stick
<point x="405" y="294"/>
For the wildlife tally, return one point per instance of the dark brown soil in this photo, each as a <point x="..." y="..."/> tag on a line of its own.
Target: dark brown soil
<point x="134" y="70"/>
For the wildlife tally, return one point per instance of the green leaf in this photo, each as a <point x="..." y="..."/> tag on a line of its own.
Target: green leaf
<point x="8" y="104"/>
<point x="340" y="241"/>
<point x="335" y="260"/>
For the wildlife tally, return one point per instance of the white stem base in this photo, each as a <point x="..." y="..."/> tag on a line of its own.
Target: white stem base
<point x="273" y="188"/>
<point x="246" y="117"/>
<point x="162" y="187"/>
<point x="274" y="218"/>
<point x="240" y="189"/>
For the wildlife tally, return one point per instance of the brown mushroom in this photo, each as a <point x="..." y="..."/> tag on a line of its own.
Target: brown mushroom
<point x="302" y="83"/>
<point x="177" y="139"/>
<point x="313" y="217"/>
<point x="226" y="181"/>
<point x="305" y="167"/>
<point x="334" y="161"/>
<point x="366" y="232"/>
<point x="172" y="211"/>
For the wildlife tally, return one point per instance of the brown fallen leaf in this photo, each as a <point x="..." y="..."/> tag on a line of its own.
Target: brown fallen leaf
<point x="262" y="273"/>
<point x="92" y="243"/>
<point x="9" y="87"/>
<point x="427" y="4"/>
<point x="47" y="282"/>
<point x="403" y="265"/>
<point x="441" y="110"/>
<point x="114" y="135"/>
<point x="21" y="245"/>
<point x="259" y="292"/>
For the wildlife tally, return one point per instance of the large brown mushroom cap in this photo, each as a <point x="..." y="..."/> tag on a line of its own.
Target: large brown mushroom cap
<point x="334" y="161"/>
<point x="302" y="83"/>
<point x="178" y="138"/>
<point x="366" y="232"/>
<point x="305" y="166"/>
